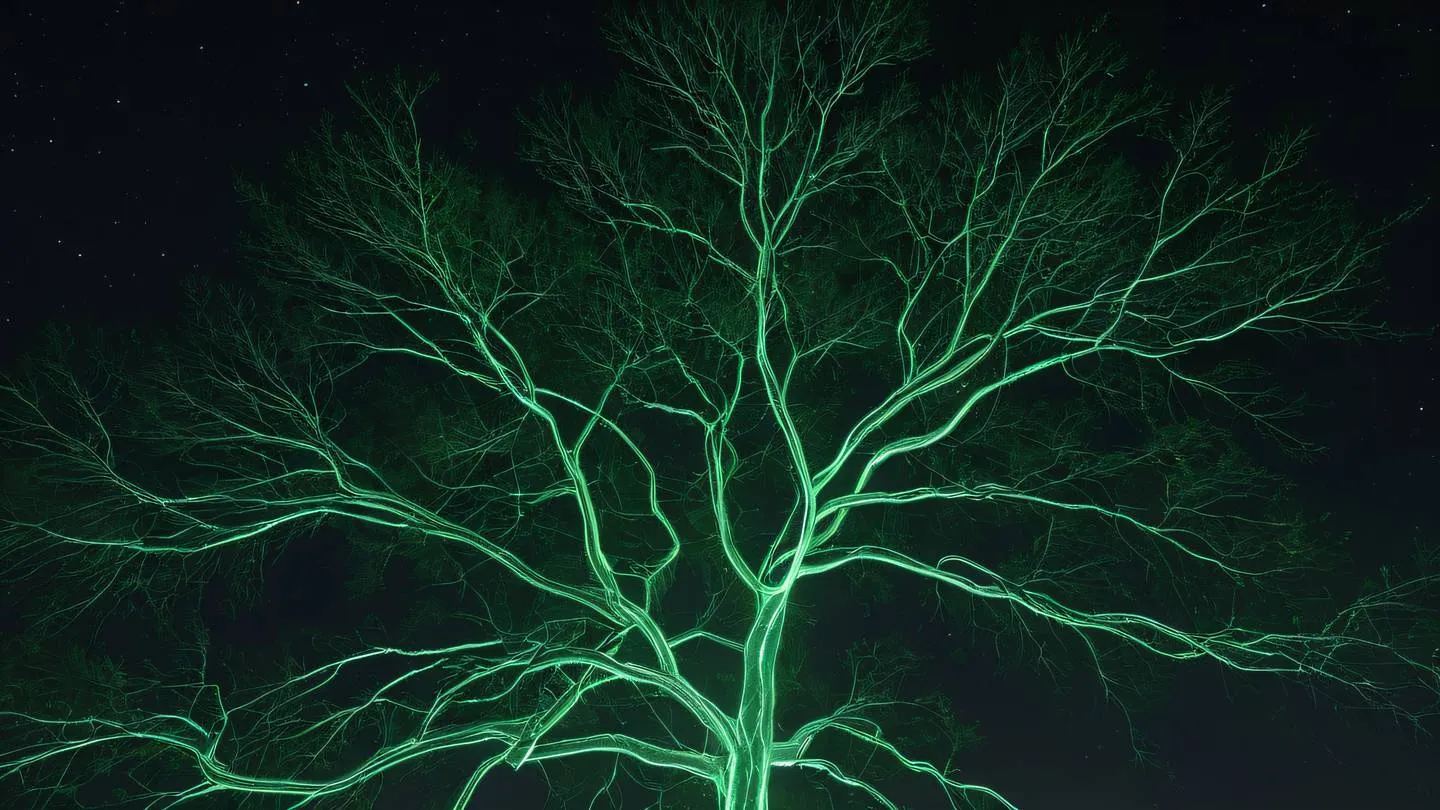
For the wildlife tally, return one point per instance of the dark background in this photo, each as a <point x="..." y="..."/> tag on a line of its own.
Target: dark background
<point x="123" y="124"/>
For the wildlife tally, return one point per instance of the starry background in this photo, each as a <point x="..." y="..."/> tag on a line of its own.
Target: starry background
<point x="123" y="125"/>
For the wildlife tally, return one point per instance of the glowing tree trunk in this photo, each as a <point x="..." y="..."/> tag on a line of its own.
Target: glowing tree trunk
<point x="747" y="776"/>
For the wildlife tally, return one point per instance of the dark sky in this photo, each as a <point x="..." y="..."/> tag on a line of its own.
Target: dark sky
<point x="122" y="124"/>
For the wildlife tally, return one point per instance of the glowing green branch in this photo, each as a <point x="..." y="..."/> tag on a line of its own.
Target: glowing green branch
<point x="1323" y="656"/>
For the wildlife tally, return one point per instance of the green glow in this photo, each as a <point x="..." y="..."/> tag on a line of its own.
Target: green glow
<point x="773" y="226"/>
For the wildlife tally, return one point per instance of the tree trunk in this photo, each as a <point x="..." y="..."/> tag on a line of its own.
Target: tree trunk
<point x="747" y="780"/>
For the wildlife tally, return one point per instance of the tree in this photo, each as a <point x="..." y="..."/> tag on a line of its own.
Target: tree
<point x="788" y="325"/>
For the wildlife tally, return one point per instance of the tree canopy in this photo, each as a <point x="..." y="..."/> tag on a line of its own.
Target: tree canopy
<point x="788" y="338"/>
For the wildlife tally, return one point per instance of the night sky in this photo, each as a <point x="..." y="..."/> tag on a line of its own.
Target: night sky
<point x="123" y="125"/>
